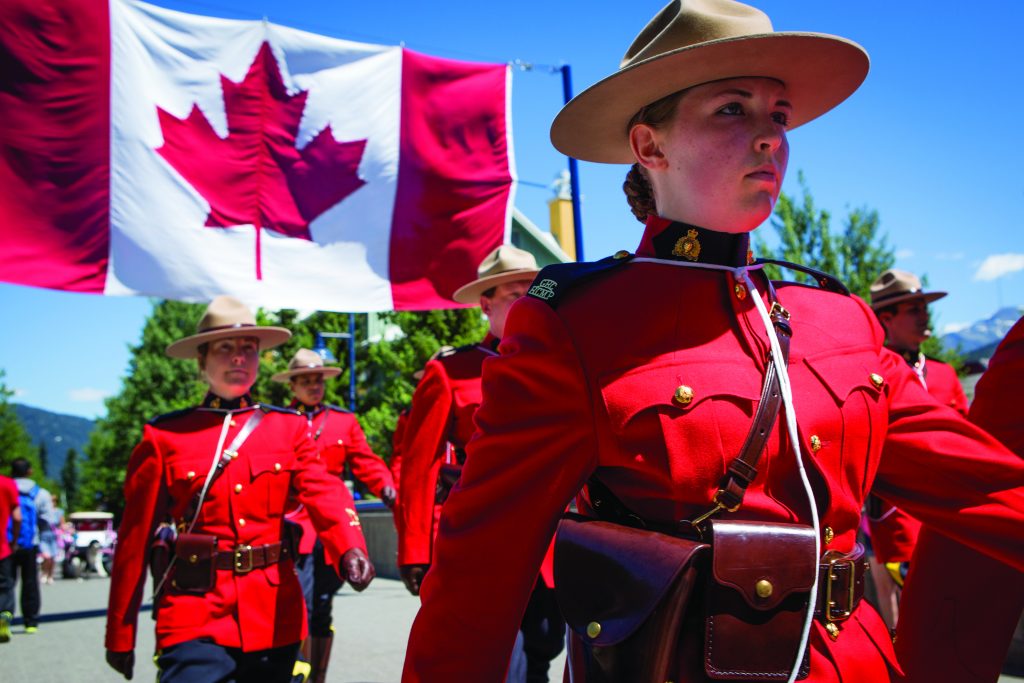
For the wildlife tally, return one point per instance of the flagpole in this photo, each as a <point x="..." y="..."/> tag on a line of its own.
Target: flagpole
<point x="574" y="180"/>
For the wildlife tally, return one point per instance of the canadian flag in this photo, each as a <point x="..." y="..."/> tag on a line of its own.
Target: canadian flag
<point x="149" y="152"/>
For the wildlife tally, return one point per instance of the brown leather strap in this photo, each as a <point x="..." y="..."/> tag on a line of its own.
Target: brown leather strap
<point x="244" y="559"/>
<point x="840" y="585"/>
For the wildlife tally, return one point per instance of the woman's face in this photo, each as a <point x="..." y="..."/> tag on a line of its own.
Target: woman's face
<point x="230" y="366"/>
<point x="719" y="162"/>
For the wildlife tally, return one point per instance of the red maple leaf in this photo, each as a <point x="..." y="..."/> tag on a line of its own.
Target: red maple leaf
<point x="256" y="176"/>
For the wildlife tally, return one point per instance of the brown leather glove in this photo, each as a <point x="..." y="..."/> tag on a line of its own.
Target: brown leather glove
<point x="357" y="569"/>
<point x="122" y="662"/>
<point x="412" y="576"/>
<point x="388" y="494"/>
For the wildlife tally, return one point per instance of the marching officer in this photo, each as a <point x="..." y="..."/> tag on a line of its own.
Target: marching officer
<point x="645" y="374"/>
<point x="901" y="305"/>
<point x="229" y="605"/>
<point x="340" y="441"/>
<point x="440" y="425"/>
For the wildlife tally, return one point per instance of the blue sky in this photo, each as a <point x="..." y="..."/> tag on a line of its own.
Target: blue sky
<point x="932" y="141"/>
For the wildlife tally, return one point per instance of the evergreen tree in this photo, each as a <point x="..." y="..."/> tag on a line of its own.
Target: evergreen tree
<point x="14" y="440"/>
<point x="69" y="479"/>
<point x="44" y="460"/>
<point x="857" y="256"/>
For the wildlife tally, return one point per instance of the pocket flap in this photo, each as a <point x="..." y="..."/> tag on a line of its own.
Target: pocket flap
<point x="764" y="562"/>
<point x="280" y="461"/>
<point x="843" y="374"/>
<point x="615" y="576"/>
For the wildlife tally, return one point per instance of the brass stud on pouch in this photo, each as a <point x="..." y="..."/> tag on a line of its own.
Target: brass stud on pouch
<point x="193" y="559"/>
<point x="764" y="588"/>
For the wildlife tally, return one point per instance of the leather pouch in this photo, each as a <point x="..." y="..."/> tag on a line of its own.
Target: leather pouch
<point x="624" y="593"/>
<point x="758" y="592"/>
<point x="195" y="569"/>
<point x="447" y="478"/>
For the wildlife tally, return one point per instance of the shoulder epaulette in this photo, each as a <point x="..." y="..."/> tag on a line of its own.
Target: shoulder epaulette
<point x="337" y="409"/>
<point x="458" y="349"/>
<point x="555" y="280"/>
<point x="267" y="408"/>
<point x="827" y="282"/>
<point x="171" y="415"/>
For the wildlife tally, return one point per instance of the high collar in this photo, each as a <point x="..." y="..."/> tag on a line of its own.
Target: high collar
<point x="913" y="358"/>
<point x="676" y="241"/>
<point x="215" y="402"/>
<point x="305" y="409"/>
<point x="491" y="342"/>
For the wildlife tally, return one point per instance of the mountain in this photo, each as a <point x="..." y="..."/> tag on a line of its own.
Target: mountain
<point x="59" y="432"/>
<point x="984" y="333"/>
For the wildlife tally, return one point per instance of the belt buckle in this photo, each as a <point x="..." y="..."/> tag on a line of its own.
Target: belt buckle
<point x="243" y="559"/>
<point x="843" y="614"/>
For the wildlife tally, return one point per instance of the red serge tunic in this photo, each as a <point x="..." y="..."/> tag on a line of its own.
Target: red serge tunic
<point x="979" y="600"/>
<point x="263" y="608"/>
<point x="894" y="532"/>
<point x="587" y="386"/>
<point x="339" y="441"/>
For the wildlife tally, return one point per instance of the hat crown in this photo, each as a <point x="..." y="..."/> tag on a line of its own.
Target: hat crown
<point x="504" y="259"/>
<point x="305" y="359"/>
<point x="894" y="282"/>
<point x="683" y="23"/>
<point x="225" y="311"/>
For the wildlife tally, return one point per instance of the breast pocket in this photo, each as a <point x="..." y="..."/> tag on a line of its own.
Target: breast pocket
<point x="682" y="416"/>
<point x="271" y="473"/>
<point x="850" y="416"/>
<point x="184" y="476"/>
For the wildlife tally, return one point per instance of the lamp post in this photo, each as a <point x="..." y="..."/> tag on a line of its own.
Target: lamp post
<point x="320" y="347"/>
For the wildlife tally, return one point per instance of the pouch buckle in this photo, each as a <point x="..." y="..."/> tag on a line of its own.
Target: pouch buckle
<point x="243" y="559"/>
<point x="831" y="611"/>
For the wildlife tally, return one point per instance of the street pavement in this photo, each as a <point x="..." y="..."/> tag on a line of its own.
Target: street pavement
<point x="371" y="631"/>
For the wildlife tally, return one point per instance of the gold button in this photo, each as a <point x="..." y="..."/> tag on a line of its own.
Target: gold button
<point x="277" y="467"/>
<point x="833" y="631"/>
<point x="683" y="395"/>
<point x="241" y="522"/>
<point x="191" y="475"/>
<point x="876" y="380"/>
<point x="764" y="588"/>
<point x="238" y="488"/>
<point x="340" y="442"/>
<point x="815" y="443"/>
<point x="619" y="255"/>
<point x="829" y="535"/>
<point x="193" y="559"/>
<point x="740" y="291"/>
<point x="232" y="423"/>
<point x="593" y="629"/>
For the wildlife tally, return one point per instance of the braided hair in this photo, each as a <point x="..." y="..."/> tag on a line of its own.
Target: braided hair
<point x="637" y="185"/>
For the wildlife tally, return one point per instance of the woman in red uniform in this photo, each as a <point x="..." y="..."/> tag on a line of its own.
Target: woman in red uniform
<point x="644" y="372"/>
<point x="229" y="607"/>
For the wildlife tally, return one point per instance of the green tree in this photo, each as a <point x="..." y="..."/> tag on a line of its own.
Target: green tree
<point x="155" y="384"/>
<point x="70" y="481"/>
<point x="14" y="440"/>
<point x="857" y="256"/>
<point x="44" y="460"/>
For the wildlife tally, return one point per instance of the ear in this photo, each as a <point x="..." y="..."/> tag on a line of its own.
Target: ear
<point x="645" y="141"/>
<point x="485" y="306"/>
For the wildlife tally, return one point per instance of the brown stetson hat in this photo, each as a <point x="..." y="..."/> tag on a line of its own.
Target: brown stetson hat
<point x="305" y="362"/>
<point x="505" y="264"/>
<point x="691" y="42"/>
<point x="894" y="286"/>
<point x="443" y="351"/>
<point x="224" y="318"/>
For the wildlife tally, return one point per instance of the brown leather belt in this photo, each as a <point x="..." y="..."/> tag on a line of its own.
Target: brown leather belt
<point x="244" y="558"/>
<point x="840" y="585"/>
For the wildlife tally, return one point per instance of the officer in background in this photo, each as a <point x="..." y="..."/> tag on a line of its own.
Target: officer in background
<point x="340" y="441"/>
<point x="901" y="305"/>
<point x="440" y="425"/>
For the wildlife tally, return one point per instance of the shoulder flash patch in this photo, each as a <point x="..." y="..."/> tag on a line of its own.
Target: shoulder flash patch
<point x="171" y="415"/>
<point x="267" y="408"/>
<point x="829" y="283"/>
<point x="552" y="283"/>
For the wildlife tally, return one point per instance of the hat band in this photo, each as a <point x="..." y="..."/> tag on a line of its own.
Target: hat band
<point x="225" y="327"/>
<point x="905" y="292"/>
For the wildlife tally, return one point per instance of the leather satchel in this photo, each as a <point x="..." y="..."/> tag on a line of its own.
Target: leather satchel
<point x="194" y="571"/>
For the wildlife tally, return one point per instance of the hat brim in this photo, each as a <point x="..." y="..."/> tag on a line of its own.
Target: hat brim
<point x="819" y="72"/>
<point x="927" y="296"/>
<point x="287" y="375"/>
<point x="269" y="337"/>
<point x="470" y="293"/>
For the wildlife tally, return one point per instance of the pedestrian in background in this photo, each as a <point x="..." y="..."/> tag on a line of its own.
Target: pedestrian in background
<point x="228" y="605"/>
<point x="36" y="507"/>
<point x="10" y="523"/>
<point x="691" y="403"/>
<point x="341" y="443"/>
<point x="48" y="548"/>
